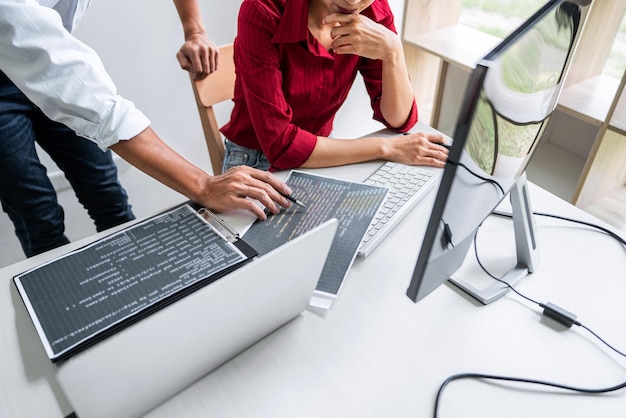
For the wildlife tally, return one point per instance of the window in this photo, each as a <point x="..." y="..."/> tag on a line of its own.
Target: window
<point x="500" y="17"/>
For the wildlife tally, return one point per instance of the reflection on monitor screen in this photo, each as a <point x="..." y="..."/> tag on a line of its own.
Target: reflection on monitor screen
<point x="509" y="100"/>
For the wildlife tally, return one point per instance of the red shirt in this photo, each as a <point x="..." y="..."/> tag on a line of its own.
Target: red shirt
<point x="288" y="87"/>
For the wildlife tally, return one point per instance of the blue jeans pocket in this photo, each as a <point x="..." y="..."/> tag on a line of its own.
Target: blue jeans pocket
<point x="236" y="155"/>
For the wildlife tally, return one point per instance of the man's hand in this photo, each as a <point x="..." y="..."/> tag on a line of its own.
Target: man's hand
<point x="198" y="55"/>
<point x="236" y="187"/>
<point x="231" y="190"/>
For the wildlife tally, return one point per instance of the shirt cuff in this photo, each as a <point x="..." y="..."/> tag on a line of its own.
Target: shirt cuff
<point x="300" y="149"/>
<point x="123" y="121"/>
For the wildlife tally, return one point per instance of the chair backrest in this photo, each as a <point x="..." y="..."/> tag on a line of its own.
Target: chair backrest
<point x="215" y="88"/>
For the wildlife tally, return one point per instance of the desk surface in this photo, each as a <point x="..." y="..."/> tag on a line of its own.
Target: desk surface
<point x="375" y="353"/>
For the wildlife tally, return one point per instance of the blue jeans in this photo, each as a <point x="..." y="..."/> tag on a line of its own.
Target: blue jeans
<point x="235" y="155"/>
<point x="26" y="193"/>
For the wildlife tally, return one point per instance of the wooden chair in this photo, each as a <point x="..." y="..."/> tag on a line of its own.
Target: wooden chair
<point x="215" y="88"/>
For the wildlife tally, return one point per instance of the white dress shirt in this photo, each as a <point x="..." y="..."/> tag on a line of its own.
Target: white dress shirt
<point x="61" y="75"/>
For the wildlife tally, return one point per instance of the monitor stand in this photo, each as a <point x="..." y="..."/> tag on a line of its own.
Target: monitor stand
<point x="525" y="243"/>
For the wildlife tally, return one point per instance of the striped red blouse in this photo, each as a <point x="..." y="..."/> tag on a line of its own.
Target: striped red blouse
<point x="288" y="86"/>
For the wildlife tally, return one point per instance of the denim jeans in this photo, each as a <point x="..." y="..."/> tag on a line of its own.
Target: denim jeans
<point x="235" y="155"/>
<point x="26" y="193"/>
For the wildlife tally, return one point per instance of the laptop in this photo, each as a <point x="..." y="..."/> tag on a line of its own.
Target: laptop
<point x="138" y="368"/>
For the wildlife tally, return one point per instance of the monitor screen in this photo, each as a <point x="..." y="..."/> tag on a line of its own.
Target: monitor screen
<point x="510" y="97"/>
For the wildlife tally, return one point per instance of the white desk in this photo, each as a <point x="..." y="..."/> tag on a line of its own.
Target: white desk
<point x="377" y="354"/>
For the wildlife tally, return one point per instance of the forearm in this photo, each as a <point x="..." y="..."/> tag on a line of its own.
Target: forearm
<point x="190" y="17"/>
<point x="154" y="157"/>
<point x="330" y="152"/>
<point x="419" y="148"/>
<point x="238" y="188"/>
<point x="397" y="92"/>
<point x="380" y="44"/>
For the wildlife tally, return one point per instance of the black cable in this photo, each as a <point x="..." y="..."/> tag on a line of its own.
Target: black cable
<point x="607" y="231"/>
<point x="520" y="380"/>
<point x="578" y="221"/>
<point x="496" y="278"/>
<point x="485" y="179"/>
<point x="484" y="269"/>
<point x="601" y="228"/>
<point x="601" y="339"/>
<point x="534" y="381"/>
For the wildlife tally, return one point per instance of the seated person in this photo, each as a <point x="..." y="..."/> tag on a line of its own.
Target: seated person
<point x="296" y="61"/>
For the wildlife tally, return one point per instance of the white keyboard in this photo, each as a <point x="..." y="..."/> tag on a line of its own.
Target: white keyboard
<point x="407" y="185"/>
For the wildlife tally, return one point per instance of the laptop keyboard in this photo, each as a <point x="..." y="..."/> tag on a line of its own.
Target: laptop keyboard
<point x="407" y="186"/>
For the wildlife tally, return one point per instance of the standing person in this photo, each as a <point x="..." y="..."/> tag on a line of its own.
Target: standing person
<point x="296" y="61"/>
<point x="55" y="91"/>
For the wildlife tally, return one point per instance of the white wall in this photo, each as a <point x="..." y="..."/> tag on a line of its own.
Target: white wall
<point x="137" y="41"/>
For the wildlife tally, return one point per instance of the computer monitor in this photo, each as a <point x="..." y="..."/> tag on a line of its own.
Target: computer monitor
<point x="508" y="102"/>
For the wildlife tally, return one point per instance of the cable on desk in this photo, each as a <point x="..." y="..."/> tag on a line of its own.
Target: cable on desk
<point x="483" y="268"/>
<point x="480" y="376"/>
<point x="555" y="312"/>
<point x="578" y="221"/>
<point x="607" y="231"/>
<point x="549" y="307"/>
